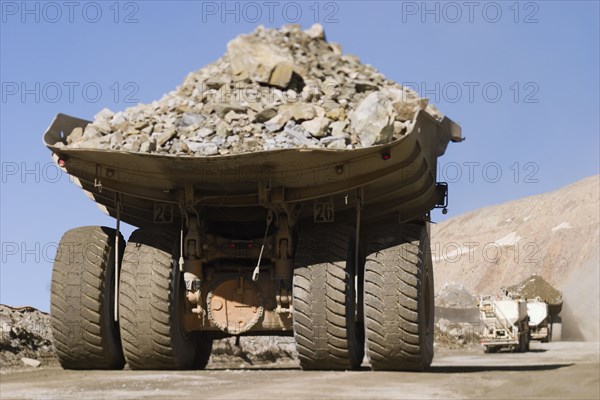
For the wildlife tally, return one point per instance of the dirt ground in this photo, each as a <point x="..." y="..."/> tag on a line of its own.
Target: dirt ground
<point x="565" y="370"/>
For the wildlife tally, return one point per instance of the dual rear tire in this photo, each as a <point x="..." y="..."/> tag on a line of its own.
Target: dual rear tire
<point x="148" y="334"/>
<point x="330" y="327"/>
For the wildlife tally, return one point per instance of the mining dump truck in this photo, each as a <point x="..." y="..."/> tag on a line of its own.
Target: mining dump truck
<point x="505" y="324"/>
<point x="545" y="321"/>
<point x="331" y="247"/>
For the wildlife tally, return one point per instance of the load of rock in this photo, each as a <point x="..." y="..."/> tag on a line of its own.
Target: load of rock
<point x="536" y="286"/>
<point x="273" y="89"/>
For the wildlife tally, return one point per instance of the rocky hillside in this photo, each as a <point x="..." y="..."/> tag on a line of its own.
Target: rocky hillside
<point x="555" y="235"/>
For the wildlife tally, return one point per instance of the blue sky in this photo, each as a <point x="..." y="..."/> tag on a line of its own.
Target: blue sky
<point x="522" y="78"/>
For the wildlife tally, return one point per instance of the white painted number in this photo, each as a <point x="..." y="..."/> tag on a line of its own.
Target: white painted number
<point x="324" y="211"/>
<point x="163" y="213"/>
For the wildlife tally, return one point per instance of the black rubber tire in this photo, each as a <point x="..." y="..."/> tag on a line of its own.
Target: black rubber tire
<point x="82" y="300"/>
<point x="399" y="302"/>
<point x="522" y="346"/>
<point x="324" y="300"/>
<point x="151" y="300"/>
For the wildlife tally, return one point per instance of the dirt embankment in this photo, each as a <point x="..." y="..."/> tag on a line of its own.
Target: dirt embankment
<point x="555" y="235"/>
<point x="26" y="341"/>
<point x="25" y="337"/>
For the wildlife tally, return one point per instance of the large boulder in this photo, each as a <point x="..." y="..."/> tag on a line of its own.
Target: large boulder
<point x="373" y="119"/>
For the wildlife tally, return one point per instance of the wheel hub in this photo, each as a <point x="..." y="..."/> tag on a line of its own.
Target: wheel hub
<point x="234" y="306"/>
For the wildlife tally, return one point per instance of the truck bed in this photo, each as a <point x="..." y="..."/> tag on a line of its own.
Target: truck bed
<point x="395" y="178"/>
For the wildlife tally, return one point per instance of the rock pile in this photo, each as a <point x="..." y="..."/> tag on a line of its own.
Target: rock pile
<point x="253" y="350"/>
<point x="455" y="335"/>
<point x="26" y="341"/>
<point x="25" y="337"/>
<point x="455" y="295"/>
<point x="273" y="89"/>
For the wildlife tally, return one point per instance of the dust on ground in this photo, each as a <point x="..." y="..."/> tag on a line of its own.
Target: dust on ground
<point x="549" y="371"/>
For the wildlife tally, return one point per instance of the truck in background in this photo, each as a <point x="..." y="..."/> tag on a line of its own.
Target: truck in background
<point x="544" y="304"/>
<point x="505" y="324"/>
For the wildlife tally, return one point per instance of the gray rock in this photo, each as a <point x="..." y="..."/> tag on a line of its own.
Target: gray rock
<point x="317" y="127"/>
<point x="204" y="132"/>
<point x="75" y="136"/>
<point x="233" y="139"/>
<point x="181" y="147"/>
<point x="336" y="113"/>
<point x="316" y="31"/>
<point x="148" y="130"/>
<point x="99" y="142"/>
<point x="265" y="115"/>
<point x="148" y="146"/>
<point x="299" y="111"/>
<point x="223" y="128"/>
<point x="254" y="58"/>
<point x="277" y="122"/>
<point x="218" y="140"/>
<point x="188" y="119"/>
<point x="298" y="134"/>
<point x="251" y="143"/>
<point x="232" y="116"/>
<point x="30" y="362"/>
<point x="337" y="127"/>
<point x="328" y="139"/>
<point x="210" y="150"/>
<point x="338" y="144"/>
<point x="399" y="129"/>
<point x="118" y="118"/>
<point x="132" y="144"/>
<point x="116" y="139"/>
<point x="373" y="119"/>
<point x="204" y="149"/>
<point x="405" y="102"/>
<point x="167" y="135"/>
<point x="281" y="76"/>
<point x="90" y="132"/>
<point x="102" y="126"/>
<point x="140" y="125"/>
<point x="104" y="114"/>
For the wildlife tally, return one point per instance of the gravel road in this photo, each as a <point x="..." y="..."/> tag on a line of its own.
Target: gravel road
<point x="549" y="371"/>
